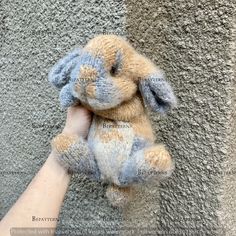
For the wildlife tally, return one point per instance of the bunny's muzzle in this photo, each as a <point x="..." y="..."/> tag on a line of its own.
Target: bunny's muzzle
<point x="93" y="84"/>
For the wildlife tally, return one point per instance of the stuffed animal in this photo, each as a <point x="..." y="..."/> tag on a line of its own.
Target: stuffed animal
<point x="116" y="83"/>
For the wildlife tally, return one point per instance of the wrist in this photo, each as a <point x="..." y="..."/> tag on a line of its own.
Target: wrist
<point x="78" y="132"/>
<point x="69" y="131"/>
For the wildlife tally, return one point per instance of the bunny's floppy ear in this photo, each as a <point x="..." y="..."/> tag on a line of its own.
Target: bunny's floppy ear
<point x="60" y="72"/>
<point x="59" y="76"/>
<point x="155" y="90"/>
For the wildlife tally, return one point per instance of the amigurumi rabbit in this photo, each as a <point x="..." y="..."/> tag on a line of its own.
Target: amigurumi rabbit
<point x="116" y="83"/>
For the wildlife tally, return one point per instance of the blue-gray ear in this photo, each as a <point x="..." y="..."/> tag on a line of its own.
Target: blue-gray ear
<point x="60" y="76"/>
<point x="157" y="93"/>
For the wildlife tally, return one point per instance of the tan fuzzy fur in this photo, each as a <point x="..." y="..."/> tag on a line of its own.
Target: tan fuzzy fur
<point x="62" y="141"/>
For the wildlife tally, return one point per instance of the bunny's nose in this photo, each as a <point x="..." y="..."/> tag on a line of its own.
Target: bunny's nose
<point x="87" y="73"/>
<point x="86" y="81"/>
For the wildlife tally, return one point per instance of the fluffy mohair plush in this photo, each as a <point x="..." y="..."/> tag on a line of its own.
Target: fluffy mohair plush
<point x="116" y="83"/>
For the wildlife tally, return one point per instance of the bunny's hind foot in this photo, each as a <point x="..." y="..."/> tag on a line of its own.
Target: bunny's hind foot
<point x="150" y="164"/>
<point x="75" y="155"/>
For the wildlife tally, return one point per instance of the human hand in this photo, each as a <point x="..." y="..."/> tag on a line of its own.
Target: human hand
<point x="78" y="121"/>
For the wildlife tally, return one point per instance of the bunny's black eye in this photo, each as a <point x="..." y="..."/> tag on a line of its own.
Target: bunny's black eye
<point x="114" y="70"/>
<point x="116" y="67"/>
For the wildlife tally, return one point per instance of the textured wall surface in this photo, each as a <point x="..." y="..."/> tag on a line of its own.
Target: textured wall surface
<point x="192" y="41"/>
<point x="34" y="35"/>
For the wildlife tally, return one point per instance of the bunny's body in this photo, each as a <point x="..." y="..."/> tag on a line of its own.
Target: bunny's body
<point x="113" y="81"/>
<point x="113" y="144"/>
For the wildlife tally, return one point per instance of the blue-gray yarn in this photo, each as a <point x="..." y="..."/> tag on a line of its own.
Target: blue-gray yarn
<point x="157" y="93"/>
<point x="60" y="73"/>
<point x="66" y="97"/>
<point x="79" y="158"/>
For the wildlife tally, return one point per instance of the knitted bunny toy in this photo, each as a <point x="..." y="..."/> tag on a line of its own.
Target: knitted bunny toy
<point x="116" y="83"/>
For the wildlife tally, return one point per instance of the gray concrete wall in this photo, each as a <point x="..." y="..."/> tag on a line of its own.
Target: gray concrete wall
<point x="193" y="42"/>
<point x="35" y="35"/>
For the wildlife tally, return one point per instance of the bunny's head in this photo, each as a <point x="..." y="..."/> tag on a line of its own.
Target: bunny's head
<point x="108" y="72"/>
